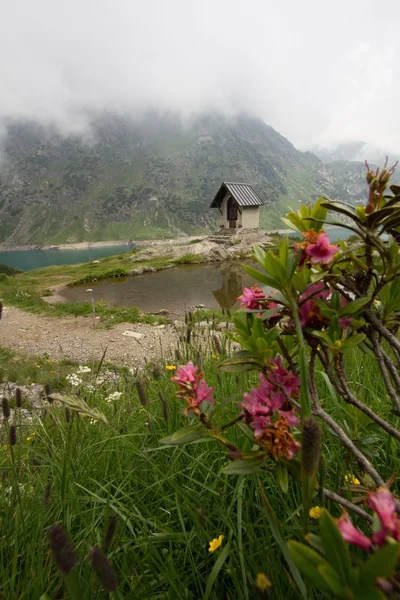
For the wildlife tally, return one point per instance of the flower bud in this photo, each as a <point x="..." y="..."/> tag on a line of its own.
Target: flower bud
<point x="360" y="211"/>
<point x="311" y="446"/>
<point x="5" y="406"/>
<point x="104" y="570"/>
<point x="18" y="397"/>
<point x="374" y="183"/>
<point x="13" y="435"/>
<point x="384" y="176"/>
<point x="62" y="549"/>
<point x="370" y="177"/>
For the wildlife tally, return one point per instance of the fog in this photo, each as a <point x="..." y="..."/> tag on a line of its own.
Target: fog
<point x="317" y="72"/>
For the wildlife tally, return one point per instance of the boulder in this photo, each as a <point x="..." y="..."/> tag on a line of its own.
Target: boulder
<point x="133" y="334"/>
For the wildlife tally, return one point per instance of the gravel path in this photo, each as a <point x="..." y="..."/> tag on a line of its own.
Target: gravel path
<point x="74" y="338"/>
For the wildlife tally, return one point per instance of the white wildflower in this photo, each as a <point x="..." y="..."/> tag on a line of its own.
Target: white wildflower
<point x="84" y="369"/>
<point x="74" y="379"/>
<point x="114" y="396"/>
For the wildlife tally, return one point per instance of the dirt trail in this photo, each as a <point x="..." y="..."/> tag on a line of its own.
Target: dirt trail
<point x="75" y="338"/>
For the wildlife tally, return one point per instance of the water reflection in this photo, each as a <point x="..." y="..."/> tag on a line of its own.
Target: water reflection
<point x="232" y="285"/>
<point x="178" y="289"/>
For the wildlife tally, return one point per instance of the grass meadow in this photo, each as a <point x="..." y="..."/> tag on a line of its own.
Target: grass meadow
<point x="168" y="502"/>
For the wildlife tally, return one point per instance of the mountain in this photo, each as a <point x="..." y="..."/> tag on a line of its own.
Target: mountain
<point x="153" y="177"/>
<point x="354" y="151"/>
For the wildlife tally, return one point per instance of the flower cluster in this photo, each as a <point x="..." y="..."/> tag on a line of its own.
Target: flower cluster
<point x="83" y="369"/>
<point x="192" y="387"/>
<point x="316" y="248"/>
<point x="74" y="379"/>
<point x="254" y="298"/>
<point x="383" y="504"/>
<point x="267" y="410"/>
<point x="113" y="396"/>
<point x="309" y="311"/>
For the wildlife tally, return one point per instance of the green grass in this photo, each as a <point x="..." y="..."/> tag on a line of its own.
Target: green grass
<point x="169" y="501"/>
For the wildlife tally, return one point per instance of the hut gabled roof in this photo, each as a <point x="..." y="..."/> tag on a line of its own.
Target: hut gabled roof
<point x="243" y="193"/>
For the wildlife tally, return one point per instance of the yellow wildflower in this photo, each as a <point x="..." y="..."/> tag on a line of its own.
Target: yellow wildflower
<point x="215" y="543"/>
<point x="170" y="367"/>
<point x="315" y="512"/>
<point x="349" y="478"/>
<point x="31" y="436"/>
<point x="215" y="356"/>
<point x="262" y="582"/>
<point x="37" y="366"/>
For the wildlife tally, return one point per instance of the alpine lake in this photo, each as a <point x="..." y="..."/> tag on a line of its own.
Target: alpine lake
<point x="178" y="289"/>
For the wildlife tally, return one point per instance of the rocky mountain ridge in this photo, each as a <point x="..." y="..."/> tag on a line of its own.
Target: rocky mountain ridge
<point x="153" y="177"/>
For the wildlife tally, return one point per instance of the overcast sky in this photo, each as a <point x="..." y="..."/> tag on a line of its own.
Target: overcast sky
<point x="317" y="71"/>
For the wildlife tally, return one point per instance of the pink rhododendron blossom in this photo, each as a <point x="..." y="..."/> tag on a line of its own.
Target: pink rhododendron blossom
<point x="322" y="252"/>
<point x="251" y="298"/>
<point x="310" y="315"/>
<point x="382" y="502"/>
<point x="192" y="387"/>
<point x="267" y="410"/>
<point x="351" y="534"/>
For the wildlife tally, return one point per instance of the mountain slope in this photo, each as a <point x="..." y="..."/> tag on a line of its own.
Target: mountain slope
<point x="154" y="177"/>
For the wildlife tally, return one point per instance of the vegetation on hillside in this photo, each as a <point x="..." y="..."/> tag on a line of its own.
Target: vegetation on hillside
<point x="156" y="177"/>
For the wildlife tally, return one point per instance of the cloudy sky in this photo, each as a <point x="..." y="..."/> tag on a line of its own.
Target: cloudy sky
<point x="317" y="71"/>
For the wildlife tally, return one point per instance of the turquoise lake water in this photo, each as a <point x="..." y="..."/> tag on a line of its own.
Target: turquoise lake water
<point x="35" y="259"/>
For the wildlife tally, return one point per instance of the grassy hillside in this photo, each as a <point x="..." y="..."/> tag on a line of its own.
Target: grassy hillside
<point x="151" y="178"/>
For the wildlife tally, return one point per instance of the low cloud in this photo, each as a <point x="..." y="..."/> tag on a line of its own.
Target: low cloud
<point x="319" y="73"/>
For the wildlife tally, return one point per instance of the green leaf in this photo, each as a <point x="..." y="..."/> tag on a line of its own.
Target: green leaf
<point x="336" y="549"/>
<point x="322" y="336"/>
<point x="282" y="477"/>
<point x="332" y="579"/>
<point x="280" y="540"/>
<point x="186" y="435"/>
<point x="261" y="277"/>
<point x="380" y="564"/>
<point x="352" y="307"/>
<point x="243" y="467"/>
<point x="238" y="365"/>
<point x="316" y="542"/>
<point x="308" y="562"/>
<point x="215" y="571"/>
<point x="353" y="341"/>
<point x="369" y="593"/>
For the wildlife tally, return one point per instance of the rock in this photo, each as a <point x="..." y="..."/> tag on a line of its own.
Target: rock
<point x="179" y="324"/>
<point x="160" y="327"/>
<point x="95" y="262"/>
<point x="202" y="324"/>
<point x="163" y="311"/>
<point x="148" y="269"/>
<point x="223" y="326"/>
<point x="137" y="271"/>
<point x="133" y="334"/>
<point x="217" y="253"/>
<point x="200" y="305"/>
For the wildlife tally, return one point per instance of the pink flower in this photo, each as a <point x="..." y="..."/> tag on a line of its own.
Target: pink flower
<point x="351" y="534"/>
<point x="267" y="411"/>
<point x="186" y="374"/>
<point x="251" y="298"/>
<point x="310" y="315"/>
<point x="382" y="502"/>
<point x="322" y="252"/>
<point x="203" y="393"/>
<point x="192" y="387"/>
<point x="289" y="381"/>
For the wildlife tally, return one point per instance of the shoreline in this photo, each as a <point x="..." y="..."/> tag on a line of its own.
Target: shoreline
<point x="129" y="243"/>
<point x="87" y="245"/>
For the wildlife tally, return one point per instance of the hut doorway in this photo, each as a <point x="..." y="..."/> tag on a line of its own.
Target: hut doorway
<point x="232" y="213"/>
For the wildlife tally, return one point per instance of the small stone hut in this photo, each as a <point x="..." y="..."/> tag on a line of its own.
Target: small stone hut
<point x="239" y="206"/>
